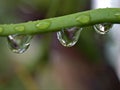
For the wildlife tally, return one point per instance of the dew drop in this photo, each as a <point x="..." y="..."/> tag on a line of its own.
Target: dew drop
<point x="43" y="25"/>
<point x="68" y="37"/>
<point x="20" y="28"/>
<point x="117" y="15"/>
<point x="1" y="29"/>
<point x="19" y="43"/>
<point x="83" y="19"/>
<point x="103" y="28"/>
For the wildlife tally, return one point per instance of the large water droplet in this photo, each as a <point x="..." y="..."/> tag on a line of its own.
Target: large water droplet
<point x="19" y="43"/>
<point x="103" y="28"/>
<point x="69" y="37"/>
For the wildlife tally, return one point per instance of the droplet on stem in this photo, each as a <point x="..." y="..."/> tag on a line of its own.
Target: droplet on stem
<point x="20" y="28"/>
<point x="43" y="25"/>
<point x="103" y="28"/>
<point x="19" y="43"/>
<point x="68" y="37"/>
<point x="83" y="19"/>
<point x="1" y="29"/>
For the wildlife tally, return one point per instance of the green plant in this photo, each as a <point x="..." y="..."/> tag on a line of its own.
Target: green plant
<point x="26" y="74"/>
<point x="82" y="19"/>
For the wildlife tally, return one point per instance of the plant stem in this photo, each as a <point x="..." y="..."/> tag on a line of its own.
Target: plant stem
<point x="86" y="18"/>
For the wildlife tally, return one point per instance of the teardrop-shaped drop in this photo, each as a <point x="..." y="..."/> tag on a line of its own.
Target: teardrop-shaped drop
<point x="19" y="43"/>
<point x="103" y="28"/>
<point x="68" y="37"/>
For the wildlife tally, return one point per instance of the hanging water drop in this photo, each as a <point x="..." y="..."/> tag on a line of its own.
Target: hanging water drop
<point x="19" y="43"/>
<point x="69" y="37"/>
<point x="103" y="28"/>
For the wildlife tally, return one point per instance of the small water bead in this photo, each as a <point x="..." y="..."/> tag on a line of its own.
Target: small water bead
<point x="20" y="28"/>
<point x="117" y="15"/>
<point x="19" y="43"/>
<point x="68" y="37"/>
<point x="103" y="28"/>
<point x="1" y="29"/>
<point x="43" y="25"/>
<point x="83" y="19"/>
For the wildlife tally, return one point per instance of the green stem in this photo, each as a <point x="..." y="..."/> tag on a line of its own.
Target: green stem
<point x="86" y="18"/>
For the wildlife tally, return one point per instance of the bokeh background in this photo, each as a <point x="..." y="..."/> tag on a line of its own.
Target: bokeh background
<point x="47" y="65"/>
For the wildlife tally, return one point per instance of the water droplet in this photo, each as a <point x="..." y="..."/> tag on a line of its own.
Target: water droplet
<point x="69" y="37"/>
<point x="83" y="19"/>
<point x="117" y="15"/>
<point x="19" y="43"/>
<point x="1" y="29"/>
<point x="43" y="25"/>
<point x="20" y="28"/>
<point x="103" y="28"/>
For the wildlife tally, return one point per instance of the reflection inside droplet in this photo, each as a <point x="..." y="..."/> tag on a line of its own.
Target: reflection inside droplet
<point x="68" y="37"/>
<point x="19" y="43"/>
<point x="103" y="28"/>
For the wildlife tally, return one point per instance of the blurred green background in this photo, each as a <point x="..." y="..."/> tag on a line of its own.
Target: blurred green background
<point x="47" y="65"/>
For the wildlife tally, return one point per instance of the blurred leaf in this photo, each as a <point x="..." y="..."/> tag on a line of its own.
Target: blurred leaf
<point x="88" y="45"/>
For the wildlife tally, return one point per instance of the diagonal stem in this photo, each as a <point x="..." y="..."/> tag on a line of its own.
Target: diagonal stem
<point x="86" y="18"/>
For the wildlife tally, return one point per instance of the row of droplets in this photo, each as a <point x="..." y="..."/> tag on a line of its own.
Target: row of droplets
<point x="67" y="37"/>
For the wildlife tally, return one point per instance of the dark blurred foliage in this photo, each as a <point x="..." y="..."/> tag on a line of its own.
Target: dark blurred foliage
<point x="52" y="66"/>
